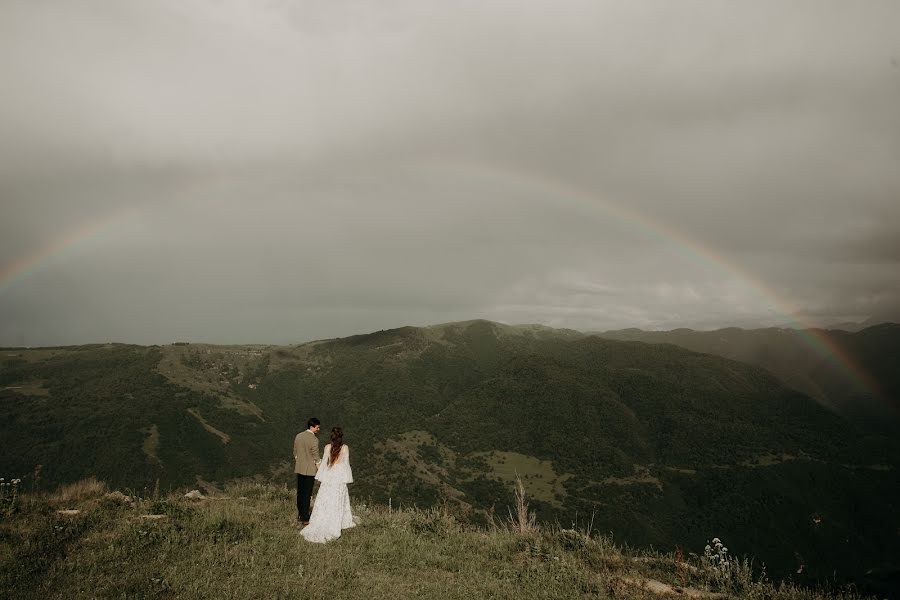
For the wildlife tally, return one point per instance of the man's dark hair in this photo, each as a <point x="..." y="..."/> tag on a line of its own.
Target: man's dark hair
<point x="312" y="422"/>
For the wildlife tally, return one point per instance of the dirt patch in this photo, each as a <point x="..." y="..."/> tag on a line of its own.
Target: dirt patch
<point x="29" y="388"/>
<point x="220" y="434"/>
<point x="151" y="442"/>
<point x="658" y="588"/>
<point x="243" y="407"/>
<point x="680" y="470"/>
<point x="768" y="460"/>
<point x="642" y="476"/>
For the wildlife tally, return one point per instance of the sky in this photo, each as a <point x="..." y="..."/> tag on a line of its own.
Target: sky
<point x="239" y="171"/>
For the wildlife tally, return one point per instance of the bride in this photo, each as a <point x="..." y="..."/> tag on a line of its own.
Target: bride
<point x="331" y="511"/>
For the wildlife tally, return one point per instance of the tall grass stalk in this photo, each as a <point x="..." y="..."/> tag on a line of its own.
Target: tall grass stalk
<point x="521" y="519"/>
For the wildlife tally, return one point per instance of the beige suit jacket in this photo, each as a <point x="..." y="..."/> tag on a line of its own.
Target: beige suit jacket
<point x="306" y="453"/>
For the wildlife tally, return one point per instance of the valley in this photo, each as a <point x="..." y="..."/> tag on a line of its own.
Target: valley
<point x="650" y="443"/>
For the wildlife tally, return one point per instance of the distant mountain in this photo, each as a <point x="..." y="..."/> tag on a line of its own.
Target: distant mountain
<point x="854" y="326"/>
<point x="654" y="443"/>
<point x="799" y="359"/>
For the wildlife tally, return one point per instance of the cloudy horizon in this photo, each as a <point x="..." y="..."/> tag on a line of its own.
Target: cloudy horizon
<point x="230" y="171"/>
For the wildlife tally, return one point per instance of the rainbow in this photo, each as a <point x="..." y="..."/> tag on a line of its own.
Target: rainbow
<point x="547" y="188"/>
<point x="590" y="203"/>
<point x="25" y="266"/>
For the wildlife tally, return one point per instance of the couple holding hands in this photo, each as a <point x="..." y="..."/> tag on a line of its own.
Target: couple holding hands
<point x="331" y="511"/>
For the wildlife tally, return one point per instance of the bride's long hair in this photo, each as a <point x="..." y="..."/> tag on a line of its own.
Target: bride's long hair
<point x="337" y="442"/>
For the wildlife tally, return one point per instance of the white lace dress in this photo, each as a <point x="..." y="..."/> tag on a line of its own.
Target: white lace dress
<point x="331" y="511"/>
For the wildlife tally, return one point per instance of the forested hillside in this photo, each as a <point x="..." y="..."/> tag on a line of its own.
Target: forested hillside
<point x="652" y="443"/>
<point x="806" y="360"/>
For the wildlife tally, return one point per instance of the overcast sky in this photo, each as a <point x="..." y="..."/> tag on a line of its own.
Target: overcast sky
<point x="241" y="171"/>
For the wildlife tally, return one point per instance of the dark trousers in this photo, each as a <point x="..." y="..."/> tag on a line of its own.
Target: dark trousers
<point x="304" y="494"/>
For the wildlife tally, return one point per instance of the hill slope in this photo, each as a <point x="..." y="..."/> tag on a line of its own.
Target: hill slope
<point x="661" y="445"/>
<point x="244" y="545"/>
<point x="795" y="359"/>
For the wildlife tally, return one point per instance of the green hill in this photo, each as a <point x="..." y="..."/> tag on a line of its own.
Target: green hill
<point x="82" y="542"/>
<point x="796" y="357"/>
<point x="655" y="444"/>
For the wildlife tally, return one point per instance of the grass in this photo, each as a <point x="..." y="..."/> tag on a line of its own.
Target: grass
<point x="432" y="469"/>
<point x="35" y="355"/>
<point x="541" y="479"/>
<point x="245" y="545"/>
<point x="207" y="374"/>
<point x="543" y="482"/>
<point x="484" y="393"/>
<point x="73" y="493"/>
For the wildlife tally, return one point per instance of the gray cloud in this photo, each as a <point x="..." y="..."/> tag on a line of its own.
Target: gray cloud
<point x="230" y="171"/>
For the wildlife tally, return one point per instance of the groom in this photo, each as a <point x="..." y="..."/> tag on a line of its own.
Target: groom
<point x="306" y="461"/>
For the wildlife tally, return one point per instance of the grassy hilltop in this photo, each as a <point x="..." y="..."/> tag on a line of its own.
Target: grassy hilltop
<point x="82" y="542"/>
<point x="662" y="446"/>
<point x="790" y="355"/>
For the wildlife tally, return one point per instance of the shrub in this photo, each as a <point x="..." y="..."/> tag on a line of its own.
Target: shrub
<point x="571" y="540"/>
<point x="433" y="521"/>
<point x="9" y="496"/>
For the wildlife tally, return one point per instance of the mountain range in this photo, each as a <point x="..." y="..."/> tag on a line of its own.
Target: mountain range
<point x="856" y="374"/>
<point x="654" y="443"/>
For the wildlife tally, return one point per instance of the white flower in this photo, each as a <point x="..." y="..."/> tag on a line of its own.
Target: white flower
<point x="724" y="550"/>
<point x="716" y="540"/>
